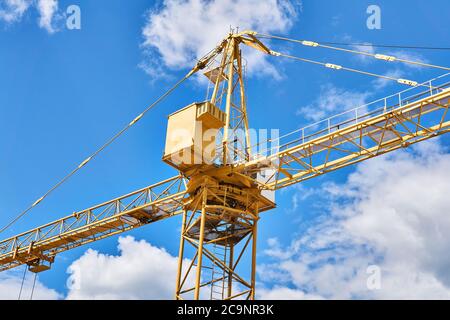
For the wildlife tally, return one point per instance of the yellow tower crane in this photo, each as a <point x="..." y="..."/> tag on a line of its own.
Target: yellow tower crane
<point x="225" y="182"/>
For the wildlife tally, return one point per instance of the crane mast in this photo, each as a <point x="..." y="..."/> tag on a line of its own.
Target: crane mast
<point x="222" y="185"/>
<point x="220" y="220"/>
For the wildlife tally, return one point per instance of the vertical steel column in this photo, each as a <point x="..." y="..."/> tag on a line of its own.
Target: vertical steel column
<point x="180" y="257"/>
<point x="232" y="49"/>
<point x="219" y="75"/>
<point x="230" y="274"/>
<point x="254" y="235"/>
<point x="244" y="107"/>
<point x="200" y="246"/>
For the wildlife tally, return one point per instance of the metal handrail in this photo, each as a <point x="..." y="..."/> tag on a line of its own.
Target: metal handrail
<point x="356" y="115"/>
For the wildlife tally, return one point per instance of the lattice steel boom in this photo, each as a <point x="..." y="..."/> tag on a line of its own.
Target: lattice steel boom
<point x="356" y="139"/>
<point x="38" y="247"/>
<point x="221" y="193"/>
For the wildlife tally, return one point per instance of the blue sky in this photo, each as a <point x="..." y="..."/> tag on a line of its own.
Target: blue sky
<point x="63" y="93"/>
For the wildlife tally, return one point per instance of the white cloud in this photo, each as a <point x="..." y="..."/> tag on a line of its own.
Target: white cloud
<point x="410" y="56"/>
<point x="332" y="100"/>
<point x="140" y="271"/>
<point x="391" y="212"/>
<point x="13" y="10"/>
<point x="11" y="281"/>
<point x="400" y="70"/>
<point x="381" y="83"/>
<point x="275" y="249"/>
<point x="47" y="10"/>
<point x="283" y="293"/>
<point x="368" y="47"/>
<point x="365" y="47"/>
<point x="361" y="46"/>
<point x="181" y="31"/>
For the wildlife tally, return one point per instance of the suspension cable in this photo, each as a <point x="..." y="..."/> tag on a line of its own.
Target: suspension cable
<point x="34" y="284"/>
<point x="103" y="147"/>
<point x="339" y="67"/>
<point x="382" y="57"/>
<point x="23" y="280"/>
<point x="391" y="46"/>
<point x="271" y="140"/>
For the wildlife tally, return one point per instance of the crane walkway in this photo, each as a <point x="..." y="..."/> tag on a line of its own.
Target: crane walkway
<point x="387" y="124"/>
<point x="38" y="247"/>
<point x="344" y="139"/>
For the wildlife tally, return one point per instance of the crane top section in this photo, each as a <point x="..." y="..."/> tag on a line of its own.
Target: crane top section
<point x="196" y="133"/>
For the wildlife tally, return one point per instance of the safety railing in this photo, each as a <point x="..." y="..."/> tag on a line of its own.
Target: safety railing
<point x="354" y="116"/>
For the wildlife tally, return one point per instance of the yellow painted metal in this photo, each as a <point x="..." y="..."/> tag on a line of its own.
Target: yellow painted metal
<point x="180" y="254"/>
<point x="186" y="147"/>
<point x="144" y="206"/>
<point x="229" y="86"/>
<point x="200" y="245"/>
<point x="248" y="150"/>
<point x="220" y="225"/>
<point x="221" y="202"/>
<point x="332" y="148"/>
<point x="253" y="273"/>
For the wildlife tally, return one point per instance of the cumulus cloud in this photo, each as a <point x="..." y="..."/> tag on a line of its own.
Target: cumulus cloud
<point x="401" y="70"/>
<point x="47" y="10"/>
<point x="180" y="31"/>
<point x="365" y="47"/>
<point x="381" y="83"/>
<point x="12" y="11"/>
<point x="332" y="100"/>
<point x="368" y="47"/>
<point x="140" y="271"/>
<point x="283" y="293"/>
<point x="11" y="281"/>
<point x="411" y="56"/>
<point x="361" y="46"/>
<point x="392" y="212"/>
<point x="394" y="69"/>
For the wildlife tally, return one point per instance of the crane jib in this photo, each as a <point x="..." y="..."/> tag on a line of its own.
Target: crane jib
<point x="220" y="200"/>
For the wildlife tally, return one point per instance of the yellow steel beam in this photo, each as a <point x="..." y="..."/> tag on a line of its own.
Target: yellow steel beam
<point x="337" y="147"/>
<point x="144" y="206"/>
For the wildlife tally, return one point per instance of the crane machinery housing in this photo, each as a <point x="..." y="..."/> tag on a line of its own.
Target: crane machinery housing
<point x="225" y="182"/>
